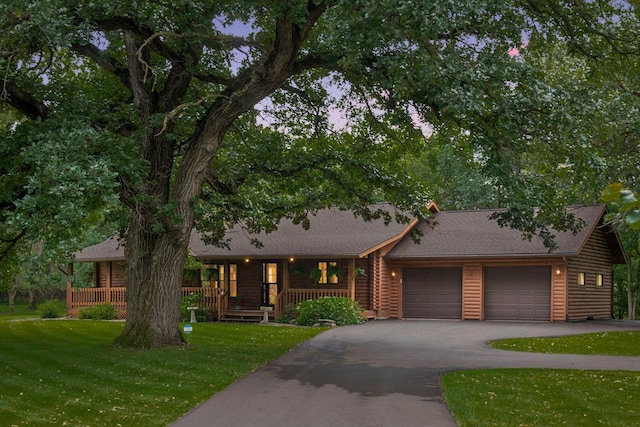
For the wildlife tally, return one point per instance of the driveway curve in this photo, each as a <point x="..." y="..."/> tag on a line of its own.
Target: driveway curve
<point x="385" y="373"/>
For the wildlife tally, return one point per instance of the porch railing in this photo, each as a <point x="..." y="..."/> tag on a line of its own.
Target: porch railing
<point x="217" y="298"/>
<point x="295" y="296"/>
<point x="80" y="298"/>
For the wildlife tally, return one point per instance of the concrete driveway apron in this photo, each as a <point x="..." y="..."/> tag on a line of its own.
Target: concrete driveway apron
<point x="385" y="373"/>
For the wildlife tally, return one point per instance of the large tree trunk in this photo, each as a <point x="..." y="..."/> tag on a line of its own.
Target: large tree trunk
<point x="31" y="300"/>
<point x="12" y="298"/>
<point x="162" y="221"/>
<point x="154" y="270"/>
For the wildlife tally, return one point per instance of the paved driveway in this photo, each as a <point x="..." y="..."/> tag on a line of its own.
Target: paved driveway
<point x="384" y="373"/>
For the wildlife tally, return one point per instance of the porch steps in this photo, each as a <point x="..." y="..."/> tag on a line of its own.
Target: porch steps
<point x="249" y="316"/>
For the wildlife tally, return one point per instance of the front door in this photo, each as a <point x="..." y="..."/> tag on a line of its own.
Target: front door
<point x="269" y="290"/>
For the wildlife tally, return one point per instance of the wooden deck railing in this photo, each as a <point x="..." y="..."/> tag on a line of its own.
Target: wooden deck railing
<point x="211" y="297"/>
<point x="80" y="298"/>
<point x="295" y="296"/>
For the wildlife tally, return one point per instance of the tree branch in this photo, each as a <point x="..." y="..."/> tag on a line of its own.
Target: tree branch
<point x="109" y="64"/>
<point x="24" y="102"/>
<point x="127" y="24"/>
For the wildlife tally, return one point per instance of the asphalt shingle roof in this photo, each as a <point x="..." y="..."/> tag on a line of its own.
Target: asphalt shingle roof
<point x="338" y="233"/>
<point x="109" y="250"/>
<point x="463" y="234"/>
<point x="332" y="232"/>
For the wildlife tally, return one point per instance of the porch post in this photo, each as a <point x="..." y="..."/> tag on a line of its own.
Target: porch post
<point x="69" y="286"/>
<point x="285" y="274"/>
<point x="108" y="290"/>
<point x="351" y="273"/>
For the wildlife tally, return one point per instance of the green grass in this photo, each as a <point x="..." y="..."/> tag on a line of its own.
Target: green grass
<point x="20" y="311"/>
<point x="65" y="372"/>
<point x="543" y="397"/>
<point x="604" y="343"/>
<point x="538" y="397"/>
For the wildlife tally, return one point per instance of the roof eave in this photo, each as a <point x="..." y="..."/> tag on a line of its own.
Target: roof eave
<point x="392" y="241"/>
<point x="484" y="256"/>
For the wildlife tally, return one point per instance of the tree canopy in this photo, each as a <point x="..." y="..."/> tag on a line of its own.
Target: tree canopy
<point x="205" y="114"/>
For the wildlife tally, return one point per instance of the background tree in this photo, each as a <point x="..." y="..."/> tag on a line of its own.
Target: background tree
<point x="193" y="123"/>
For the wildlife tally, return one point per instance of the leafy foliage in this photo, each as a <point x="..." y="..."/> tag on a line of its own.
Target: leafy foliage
<point x="52" y="309"/>
<point x="288" y="315"/>
<point x="203" y="314"/>
<point x="343" y="311"/>
<point x="99" y="312"/>
<point x="628" y="200"/>
<point x="172" y="115"/>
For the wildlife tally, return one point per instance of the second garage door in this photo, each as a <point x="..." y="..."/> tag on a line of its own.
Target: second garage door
<point x="517" y="293"/>
<point x="432" y="293"/>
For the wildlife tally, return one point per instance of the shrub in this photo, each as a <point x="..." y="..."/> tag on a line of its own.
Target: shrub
<point x="343" y="311"/>
<point x="52" y="309"/>
<point x="99" y="312"/>
<point x="288" y="315"/>
<point x="206" y="314"/>
<point x="203" y="314"/>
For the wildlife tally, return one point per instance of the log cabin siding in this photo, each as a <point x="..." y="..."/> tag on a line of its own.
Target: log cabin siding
<point x="381" y="287"/>
<point x="472" y="292"/>
<point x="558" y="292"/>
<point x="362" y="285"/>
<point x="109" y="274"/>
<point x="588" y="300"/>
<point x="117" y="274"/>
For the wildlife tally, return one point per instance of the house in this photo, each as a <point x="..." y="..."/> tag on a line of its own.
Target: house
<point x="465" y="266"/>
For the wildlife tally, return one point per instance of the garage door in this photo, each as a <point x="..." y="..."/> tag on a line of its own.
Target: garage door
<point x="432" y="293"/>
<point x="517" y="293"/>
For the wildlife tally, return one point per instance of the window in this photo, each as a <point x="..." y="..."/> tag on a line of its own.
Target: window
<point x="270" y="272"/>
<point x="329" y="272"/>
<point x="212" y="275"/>
<point x="599" y="280"/>
<point x="581" y="279"/>
<point x="233" y="280"/>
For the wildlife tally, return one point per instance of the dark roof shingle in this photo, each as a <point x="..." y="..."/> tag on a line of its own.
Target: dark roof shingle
<point x="464" y="234"/>
<point x="339" y="233"/>
<point x="332" y="233"/>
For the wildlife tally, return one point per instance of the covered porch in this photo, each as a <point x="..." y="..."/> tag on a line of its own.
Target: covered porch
<point x="233" y="289"/>
<point x="214" y="298"/>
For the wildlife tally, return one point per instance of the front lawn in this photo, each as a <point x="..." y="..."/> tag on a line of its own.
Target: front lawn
<point x="620" y="343"/>
<point x="65" y="372"/>
<point x="543" y="397"/>
<point x="550" y="397"/>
